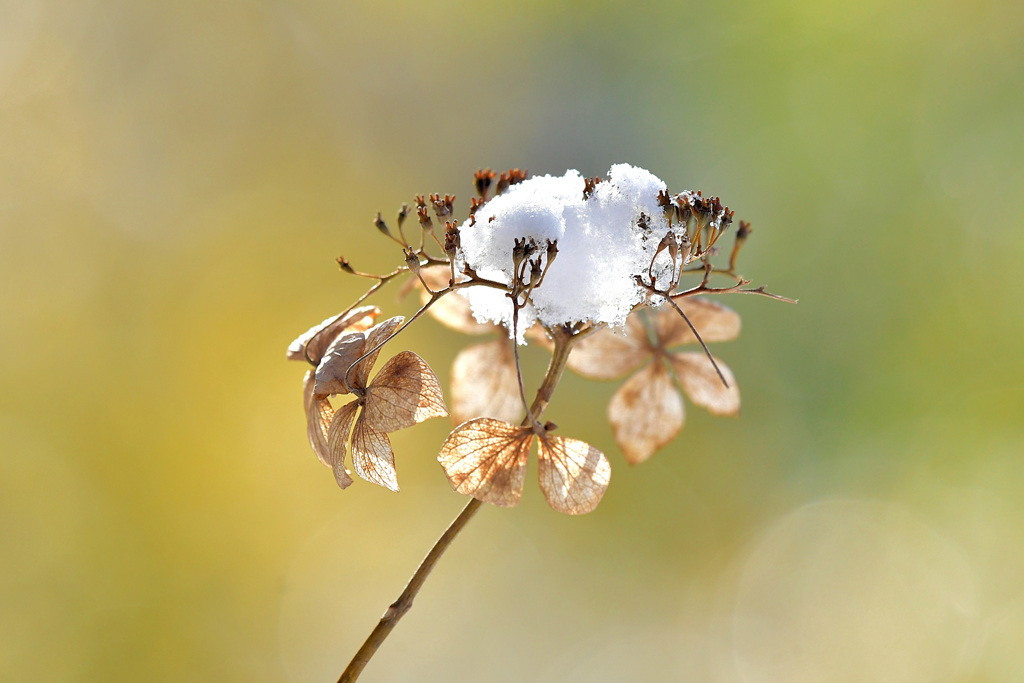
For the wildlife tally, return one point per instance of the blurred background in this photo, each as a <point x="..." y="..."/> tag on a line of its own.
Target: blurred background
<point x="177" y="178"/>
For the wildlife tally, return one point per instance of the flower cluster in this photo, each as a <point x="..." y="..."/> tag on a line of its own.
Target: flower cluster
<point x="591" y="269"/>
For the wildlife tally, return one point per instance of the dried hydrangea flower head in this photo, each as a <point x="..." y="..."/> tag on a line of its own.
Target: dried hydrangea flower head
<point x="602" y="272"/>
<point x="590" y="268"/>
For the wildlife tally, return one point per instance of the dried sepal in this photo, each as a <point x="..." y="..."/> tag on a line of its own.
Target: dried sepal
<point x="698" y="378"/>
<point x="332" y="372"/>
<point x="610" y="354"/>
<point x="318" y="419"/>
<point x="374" y="335"/>
<point x="452" y="310"/>
<point x="484" y="383"/>
<point x="314" y="341"/>
<point x="403" y="393"/>
<point x="573" y="474"/>
<point x="372" y="456"/>
<point x="714" y="323"/>
<point x="646" y="413"/>
<point x="486" y="459"/>
<point x="337" y="439"/>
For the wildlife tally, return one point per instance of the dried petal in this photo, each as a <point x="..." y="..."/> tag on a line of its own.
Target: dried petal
<point x="404" y="392"/>
<point x="318" y="418"/>
<point x="697" y="376"/>
<point x="486" y="459"/>
<point x="372" y="456"/>
<point x="337" y="438"/>
<point x="484" y="383"/>
<point x="646" y="413"/>
<point x="319" y="337"/>
<point x="452" y="310"/>
<point x="374" y="336"/>
<point x="331" y="374"/>
<point x="573" y="474"/>
<point x="607" y="354"/>
<point x="713" y="321"/>
<point x="436" y="277"/>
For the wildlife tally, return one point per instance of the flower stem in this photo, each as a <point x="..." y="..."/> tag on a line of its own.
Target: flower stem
<point x="387" y="623"/>
<point x="400" y="606"/>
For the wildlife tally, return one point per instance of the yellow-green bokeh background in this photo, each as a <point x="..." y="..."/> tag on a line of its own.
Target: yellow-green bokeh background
<point x="176" y="179"/>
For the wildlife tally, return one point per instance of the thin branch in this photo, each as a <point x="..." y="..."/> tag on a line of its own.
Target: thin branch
<point x="703" y="345"/>
<point x="400" y="606"/>
<point x="387" y="623"/>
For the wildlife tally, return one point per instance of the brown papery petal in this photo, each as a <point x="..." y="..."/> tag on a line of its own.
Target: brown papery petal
<point x="404" y="392"/>
<point x="372" y="457"/>
<point x="319" y="337"/>
<point x="702" y="384"/>
<point x="337" y="439"/>
<point x="374" y="336"/>
<point x="573" y="474"/>
<point x="332" y="372"/>
<point x="646" y="413"/>
<point x="436" y="277"/>
<point x="484" y="383"/>
<point x="608" y="354"/>
<point x="452" y="310"/>
<point x="486" y="459"/>
<point x="318" y="418"/>
<point x="713" y="321"/>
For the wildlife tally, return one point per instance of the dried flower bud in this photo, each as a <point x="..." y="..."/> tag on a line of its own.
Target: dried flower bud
<point x="508" y="178"/>
<point x="482" y="181"/>
<point x="412" y="260"/>
<point x="552" y="251"/>
<point x="644" y="222"/>
<point x="535" y="272"/>
<point x="502" y="184"/>
<point x="443" y="206"/>
<point x="424" y="218"/>
<point x="420" y="202"/>
<point x="474" y="204"/>
<point x="344" y="265"/>
<point x="403" y="213"/>
<point x="518" y="253"/>
<point x="379" y="223"/>
<point x="588" y="186"/>
<point x="452" y="240"/>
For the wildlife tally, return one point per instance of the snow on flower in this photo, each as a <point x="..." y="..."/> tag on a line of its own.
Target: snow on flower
<point x="606" y="238"/>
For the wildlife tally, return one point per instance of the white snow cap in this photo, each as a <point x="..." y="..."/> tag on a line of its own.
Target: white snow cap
<point x="601" y="247"/>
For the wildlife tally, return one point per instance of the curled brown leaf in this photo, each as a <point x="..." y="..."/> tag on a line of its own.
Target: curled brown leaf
<point x="332" y="372"/>
<point x="318" y="419"/>
<point x="314" y="341"/>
